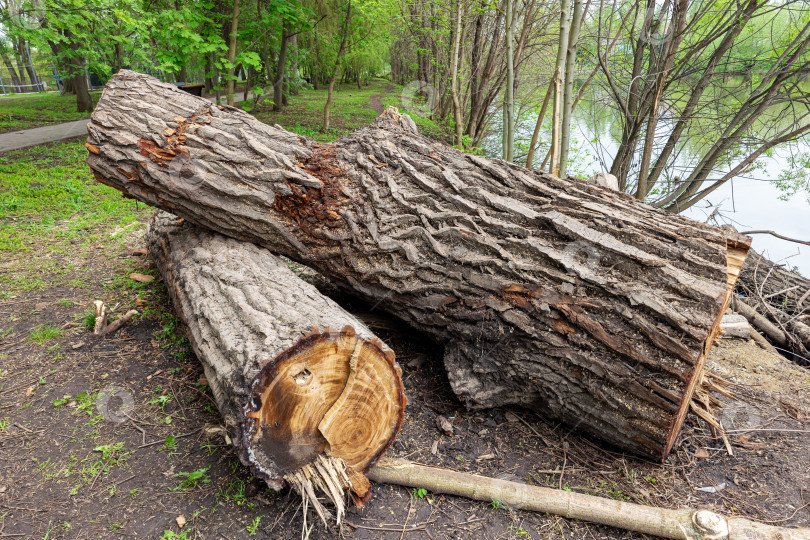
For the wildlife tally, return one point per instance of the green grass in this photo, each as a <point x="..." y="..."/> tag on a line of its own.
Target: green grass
<point x="49" y="201"/>
<point x="44" y="333"/>
<point x="25" y="112"/>
<point x="352" y="108"/>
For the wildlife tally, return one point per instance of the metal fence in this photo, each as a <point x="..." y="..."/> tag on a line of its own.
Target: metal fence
<point x="23" y="79"/>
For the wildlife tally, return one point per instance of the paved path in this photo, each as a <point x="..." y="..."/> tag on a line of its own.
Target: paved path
<point x="14" y="140"/>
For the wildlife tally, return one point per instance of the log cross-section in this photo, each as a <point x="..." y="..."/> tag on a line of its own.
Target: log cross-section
<point x="316" y="408"/>
<point x="579" y="302"/>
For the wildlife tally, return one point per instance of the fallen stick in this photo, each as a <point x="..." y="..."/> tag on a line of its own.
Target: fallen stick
<point x="101" y="328"/>
<point x="680" y="524"/>
<point x="759" y="321"/>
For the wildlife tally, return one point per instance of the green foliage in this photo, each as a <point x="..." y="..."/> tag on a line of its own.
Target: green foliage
<point x="192" y="479"/>
<point x="795" y="179"/>
<point x="44" y="333"/>
<point x="254" y="527"/>
<point x="419" y="493"/>
<point x="169" y="443"/>
<point x="171" y="535"/>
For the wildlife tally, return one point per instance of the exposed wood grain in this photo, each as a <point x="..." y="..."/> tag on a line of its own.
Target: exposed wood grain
<point x="281" y="384"/>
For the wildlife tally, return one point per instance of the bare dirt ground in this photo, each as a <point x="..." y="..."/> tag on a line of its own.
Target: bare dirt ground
<point x="69" y="470"/>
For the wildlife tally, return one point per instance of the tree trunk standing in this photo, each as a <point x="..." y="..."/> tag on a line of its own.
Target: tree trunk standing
<point x="19" y="58"/>
<point x="570" y="67"/>
<point x="568" y="298"/>
<point x="294" y="398"/>
<point x="731" y="34"/>
<point x="559" y="70"/>
<point x="295" y="75"/>
<point x="642" y="189"/>
<point x="209" y="72"/>
<point x="232" y="51"/>
<point x="15" y="79"/>
<point x="458" y="113"/>
<point x="78" y="80"/>
<point x="317" y="48"/>
<point x="278" y="86"/>
<point x="118" y="54"/>
<point x="538" y="125"/>
<point x="25" y="52"/>
<point x="509" y="91"/>
<point x="341" y="51"/>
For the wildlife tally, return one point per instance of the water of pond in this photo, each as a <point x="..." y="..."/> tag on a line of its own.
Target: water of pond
<point x="748" y="202"/>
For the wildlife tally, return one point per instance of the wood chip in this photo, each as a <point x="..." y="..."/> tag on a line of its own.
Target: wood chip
<point x="143" y="278"/>
<point x="444" y="425"/>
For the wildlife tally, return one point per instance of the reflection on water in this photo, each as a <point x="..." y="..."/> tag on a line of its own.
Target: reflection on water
<point x="749" y="202"/>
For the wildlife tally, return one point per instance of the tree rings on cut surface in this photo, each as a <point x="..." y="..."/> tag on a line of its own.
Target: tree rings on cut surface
<point x="334" y="400"/>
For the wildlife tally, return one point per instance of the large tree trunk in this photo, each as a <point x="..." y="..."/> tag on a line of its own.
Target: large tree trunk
<point x="296" y="400"/>
<point x="579" y="302"/>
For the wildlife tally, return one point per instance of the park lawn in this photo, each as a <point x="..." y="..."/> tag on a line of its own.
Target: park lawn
<point x="352" y="108"/>
<point x="37" y="110"/>
<point x="53" y="214"/>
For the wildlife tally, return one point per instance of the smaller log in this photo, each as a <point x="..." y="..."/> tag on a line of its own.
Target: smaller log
<point x="310" y="408"/>
<point x="662" y="522"/>
<point x="759" y="321"/>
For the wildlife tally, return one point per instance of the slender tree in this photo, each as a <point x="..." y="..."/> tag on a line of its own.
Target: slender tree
<point x="559" y="73"/>
<point x="570" y="67"/>
<point x="336" y="68"/>
<point x="509" y="92"/>
<point x="232" y="51"/>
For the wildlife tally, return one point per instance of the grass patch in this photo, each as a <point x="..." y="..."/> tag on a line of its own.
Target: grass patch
<point x="352" y="108"/>
<point x="36" y="110"/>
<point x="49" y="201"/>
<point x="44" y="333"/>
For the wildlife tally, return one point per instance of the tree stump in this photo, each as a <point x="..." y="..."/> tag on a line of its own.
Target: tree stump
<point x="314" y="408"/>
<point x="571" y="299"/>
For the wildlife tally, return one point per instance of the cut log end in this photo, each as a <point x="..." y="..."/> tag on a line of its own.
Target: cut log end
<point x="322" y="413"/>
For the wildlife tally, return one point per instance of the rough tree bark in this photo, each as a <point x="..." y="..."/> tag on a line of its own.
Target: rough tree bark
<point x="579" y="302"/>
<point x="316" y="409"/>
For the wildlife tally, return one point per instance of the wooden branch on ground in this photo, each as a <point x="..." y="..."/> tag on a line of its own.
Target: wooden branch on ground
<point x="313" y="408"/>
<point x="578" y="302"/>
<point x="101" y="327"/>
<point x="665" y="523"/>
<point x="774" y="333"/>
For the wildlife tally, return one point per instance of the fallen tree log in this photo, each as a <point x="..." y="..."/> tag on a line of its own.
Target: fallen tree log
<point x="568" y="298"/>
<point x="665" y="523"/>
<point x="314" y="408"/>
